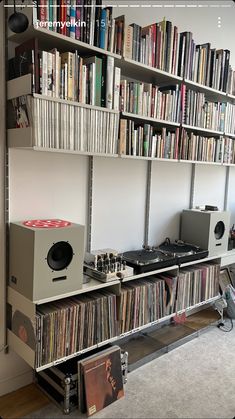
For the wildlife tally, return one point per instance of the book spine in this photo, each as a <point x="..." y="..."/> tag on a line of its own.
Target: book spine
<point x="109" y="82"/>
<point x="117" y="80"/>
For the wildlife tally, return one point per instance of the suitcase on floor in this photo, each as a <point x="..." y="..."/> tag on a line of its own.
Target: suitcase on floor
<point x="59" y="383"/>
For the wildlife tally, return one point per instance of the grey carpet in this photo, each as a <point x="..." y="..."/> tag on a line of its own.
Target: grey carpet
<point x="196" y="380"/>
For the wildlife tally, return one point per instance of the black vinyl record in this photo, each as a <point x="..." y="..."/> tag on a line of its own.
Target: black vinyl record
<point x="23" y="328"/>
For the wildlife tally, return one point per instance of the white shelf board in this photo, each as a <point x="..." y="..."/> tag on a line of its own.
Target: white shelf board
<point x="200" y="162"/>
<point x="229" y="135"/>
<point x="48" y="39"/>
<point x="144" y="274"/>
<point x="195" y="262"/>
<point x="229" y="164"/>
<point x="138" y="71"/>
<point x="232" y="97"/>
<point x="19" y="87"/>
<point x="74" y="103"/>
<point x="149" y="119"/>
<point x="127" y="156"/>
<point x="200" y="129"/>
<point x="92" y="285"/>
<point x="210" y="93"/>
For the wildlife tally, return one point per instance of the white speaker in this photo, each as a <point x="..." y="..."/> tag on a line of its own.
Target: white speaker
<point x="206" y="229"/>
<point x="46" y="258"/>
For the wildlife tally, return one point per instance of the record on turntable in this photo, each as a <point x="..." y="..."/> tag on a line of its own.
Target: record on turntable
<point x="183" y="252"/>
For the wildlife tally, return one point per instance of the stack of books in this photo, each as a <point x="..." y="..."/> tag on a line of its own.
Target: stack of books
<point x="229" y="126"/>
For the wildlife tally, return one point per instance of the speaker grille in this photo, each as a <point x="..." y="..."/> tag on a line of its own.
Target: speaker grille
<point x="59" y="256"/>
<point x="219" y="230"/>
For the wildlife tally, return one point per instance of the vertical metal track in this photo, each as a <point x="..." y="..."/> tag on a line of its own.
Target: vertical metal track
<point x="192" y="186"/>
<point x="3" y="177"/>
<point x="89" y="202"/>
<point x="226" y="188"/>
<point x="147" y="202"/>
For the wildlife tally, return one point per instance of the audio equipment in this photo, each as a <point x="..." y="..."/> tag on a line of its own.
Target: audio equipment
<point x="46" y="258"/>
<point x="207" y="229"/>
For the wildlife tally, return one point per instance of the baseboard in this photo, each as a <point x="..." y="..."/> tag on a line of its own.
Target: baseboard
<point x="13" y="383"/>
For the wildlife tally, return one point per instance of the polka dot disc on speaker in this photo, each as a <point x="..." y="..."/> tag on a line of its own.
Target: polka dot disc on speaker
<point x="46" y="223"/>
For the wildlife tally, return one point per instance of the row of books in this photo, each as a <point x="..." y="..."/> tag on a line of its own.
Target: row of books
<point x="161" y="46"/>
<point x="147" y="300"/>
<point x="203" y="64"/>
<point x="64" y="126"/>
<point x="149" y="100"/>
<point x="68" y="326"/>
<point x="197" y="284"/>
<point x="92" y="80"/>
<point x="229" y="151"/>
<point x="197" y="148"/>
<point x="198" y="112"/>
<point x="144" y="140"/>
<point x="84" y="20"/>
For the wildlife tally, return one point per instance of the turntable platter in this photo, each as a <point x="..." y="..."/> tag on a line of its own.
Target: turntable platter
<point x="143" y="257"/>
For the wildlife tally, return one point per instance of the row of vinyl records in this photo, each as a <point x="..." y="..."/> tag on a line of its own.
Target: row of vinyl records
<point x="159" y="45"/>
<point x="68" y="326"/>
<point x="147" y="141"/>
<point x="65" y="126"/>
<point x="149" y="299"/>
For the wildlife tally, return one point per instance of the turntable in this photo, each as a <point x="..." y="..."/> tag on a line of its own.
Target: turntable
<point x="183" y="252"/>
<point x="148" y="259"/>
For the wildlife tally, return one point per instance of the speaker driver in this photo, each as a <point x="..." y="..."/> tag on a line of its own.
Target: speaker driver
<point x="59" y="256"/>
<point x="219" y="230"/>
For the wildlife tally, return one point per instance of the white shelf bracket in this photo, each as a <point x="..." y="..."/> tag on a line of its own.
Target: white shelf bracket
<point x="89" y="202"/>
<point x="147" y="202"/>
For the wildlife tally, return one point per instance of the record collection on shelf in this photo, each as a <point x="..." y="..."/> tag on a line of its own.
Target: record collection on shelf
<point x="61" y="125"/>
<point x="146" y="300"/>
<point x="68" y="326"/>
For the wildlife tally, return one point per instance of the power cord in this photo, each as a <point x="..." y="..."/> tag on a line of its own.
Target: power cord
<point x="223" y="328"/>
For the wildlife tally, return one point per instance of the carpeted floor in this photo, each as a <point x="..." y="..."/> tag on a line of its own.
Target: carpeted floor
<point x="196" y="380"/>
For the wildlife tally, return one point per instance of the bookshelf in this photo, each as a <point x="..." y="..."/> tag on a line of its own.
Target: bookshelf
<point x="25" y="138"/>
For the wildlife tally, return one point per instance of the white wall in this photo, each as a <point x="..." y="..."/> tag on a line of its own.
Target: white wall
<point x="54" y="185"/>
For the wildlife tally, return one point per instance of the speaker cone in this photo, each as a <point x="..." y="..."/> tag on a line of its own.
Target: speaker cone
<point x="219" y="230"/>
<point x="60" y="256"/>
